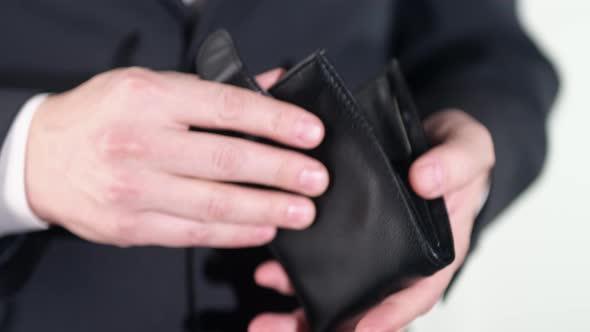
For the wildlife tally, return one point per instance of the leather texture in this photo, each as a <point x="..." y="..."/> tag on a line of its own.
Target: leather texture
<point x="372" y="234"/>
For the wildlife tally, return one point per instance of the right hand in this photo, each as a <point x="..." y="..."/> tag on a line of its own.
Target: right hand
<point x="113" y="162"/>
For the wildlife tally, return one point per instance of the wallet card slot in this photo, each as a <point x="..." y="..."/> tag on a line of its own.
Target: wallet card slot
<point x="379" y="103"/>
<point x="433" y="212"/>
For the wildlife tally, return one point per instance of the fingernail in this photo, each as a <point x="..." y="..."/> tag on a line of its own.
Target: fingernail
<point x="300" y="214"/>
<point x="308" y="131"/>
<point x="431" y="178"/>
<point x="313" y="179"/>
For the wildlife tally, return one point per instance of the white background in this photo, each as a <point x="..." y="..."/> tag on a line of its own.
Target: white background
<point x="532" y="270"/>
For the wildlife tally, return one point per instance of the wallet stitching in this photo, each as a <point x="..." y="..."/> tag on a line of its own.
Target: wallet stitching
<point x="301" y="296"/>
<point x="350" y="105"/>
<point x="340" y="92"/>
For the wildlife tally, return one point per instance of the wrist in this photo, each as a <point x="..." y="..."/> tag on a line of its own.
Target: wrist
<point x="38" y="161"/>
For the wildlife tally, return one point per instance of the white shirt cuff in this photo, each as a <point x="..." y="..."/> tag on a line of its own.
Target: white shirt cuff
<point x="16" y="215"/>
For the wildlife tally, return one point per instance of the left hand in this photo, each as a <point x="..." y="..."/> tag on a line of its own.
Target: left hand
<point x="457" y="168"/>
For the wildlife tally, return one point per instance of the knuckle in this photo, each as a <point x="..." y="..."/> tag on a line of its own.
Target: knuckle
<point x="134" y="79"/>
<point x="122" y="189"/>
<point x="133" y="88"/>
<point x="275" y="211"/>
<point x="480" y="130"/>
<point x="227" y="160"/>
<point x="120" y="143"/>
<point x="486" y="142"/>
<point x="280" y="175"/>
<point x="124" y="231"/>
<point x="218" y="206"/>
<point x="277" y="121"/>
<point x="232" y="104"/>
<point x="198" y="235"/>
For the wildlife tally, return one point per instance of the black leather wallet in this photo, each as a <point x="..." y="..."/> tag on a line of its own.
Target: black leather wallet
<point x="372" y="234"/>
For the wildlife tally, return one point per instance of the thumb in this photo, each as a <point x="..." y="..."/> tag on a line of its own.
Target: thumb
<point x="464" y="152"/>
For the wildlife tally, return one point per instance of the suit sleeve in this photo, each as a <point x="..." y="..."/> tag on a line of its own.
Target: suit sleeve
<point x="11" y="101"/>
<point x="475" y="56"/>
<point x="18" y="253"/>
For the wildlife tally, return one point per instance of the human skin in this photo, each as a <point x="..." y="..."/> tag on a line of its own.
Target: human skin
<point x="113" y="161"/>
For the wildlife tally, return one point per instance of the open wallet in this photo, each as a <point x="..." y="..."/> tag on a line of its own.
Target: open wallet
<point x="372" y="235"/>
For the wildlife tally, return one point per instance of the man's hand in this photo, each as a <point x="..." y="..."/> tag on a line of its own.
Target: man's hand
<point x="113" y="161"/>
<point x="457" y="168"/>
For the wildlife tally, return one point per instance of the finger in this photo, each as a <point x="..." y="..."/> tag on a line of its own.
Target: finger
<point x="294" y="322"/>
<point x="400" y="309"/>
<point x="170" y="231"/>
<point x="465" y="152"/>
<point x="467" y="201"/>
<point x="272" y="275"/>
<point x="217" y="157"/>
<point x="219" y="106"/>
<point x="215" y="202"/>
<point x="267" y="79"/>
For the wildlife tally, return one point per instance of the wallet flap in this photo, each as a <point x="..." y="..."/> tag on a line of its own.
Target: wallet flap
<point x="387" y="103"/>
<point x="433" y="212"/>
<point x="382" y="110"/>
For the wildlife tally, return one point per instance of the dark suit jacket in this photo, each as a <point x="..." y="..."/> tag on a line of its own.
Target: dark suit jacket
<point x="467" y="54"/>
